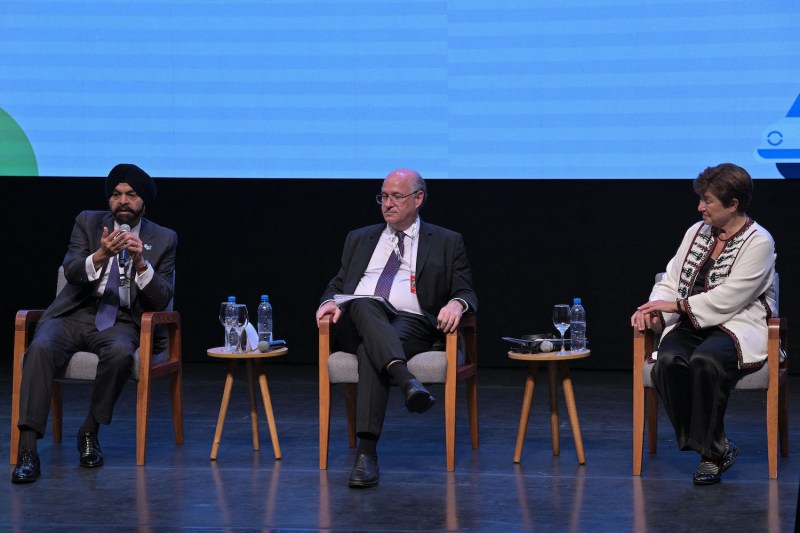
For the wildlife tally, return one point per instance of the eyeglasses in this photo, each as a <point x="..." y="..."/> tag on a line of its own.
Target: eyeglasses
<point x="396" y="198"/>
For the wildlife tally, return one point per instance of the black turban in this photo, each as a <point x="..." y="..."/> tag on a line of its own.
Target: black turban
<point x="134" y="176"/>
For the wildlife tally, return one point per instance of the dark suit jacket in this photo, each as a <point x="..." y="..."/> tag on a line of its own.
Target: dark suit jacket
<point x="442" y="271"/>
<point x="85" y="240"/>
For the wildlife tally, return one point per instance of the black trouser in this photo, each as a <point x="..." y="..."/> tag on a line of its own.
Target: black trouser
<point x="54" y="343"/>
<point x="376" y="338"/>
<point x="692" y="374"/>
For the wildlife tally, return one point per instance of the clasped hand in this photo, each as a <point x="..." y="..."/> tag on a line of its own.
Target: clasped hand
<point x="647" y="315"/>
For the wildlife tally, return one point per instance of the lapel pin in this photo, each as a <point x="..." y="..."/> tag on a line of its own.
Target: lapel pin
<point x="148" y="247"/>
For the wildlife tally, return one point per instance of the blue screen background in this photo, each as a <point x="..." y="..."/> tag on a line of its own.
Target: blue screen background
<point x="554" y="89"/>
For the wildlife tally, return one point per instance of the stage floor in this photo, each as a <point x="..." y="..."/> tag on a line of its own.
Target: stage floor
<point x="246" y="490"/>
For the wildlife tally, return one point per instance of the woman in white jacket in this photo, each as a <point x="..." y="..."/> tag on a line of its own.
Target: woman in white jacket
<point x="713" y="305"/>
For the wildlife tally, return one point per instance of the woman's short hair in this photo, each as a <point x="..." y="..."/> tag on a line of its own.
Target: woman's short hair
<point x="727" y="182"/>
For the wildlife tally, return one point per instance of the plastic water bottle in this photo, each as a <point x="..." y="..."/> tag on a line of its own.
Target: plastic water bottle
<point x="232" y="340"/>
<point x="577" y="325"/>
<point x="264" y="319"/>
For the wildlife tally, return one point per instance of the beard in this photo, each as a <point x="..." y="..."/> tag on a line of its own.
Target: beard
<point x="126" y="215"/>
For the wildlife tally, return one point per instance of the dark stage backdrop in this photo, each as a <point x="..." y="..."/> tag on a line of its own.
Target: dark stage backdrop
<point x="532" y="244"/>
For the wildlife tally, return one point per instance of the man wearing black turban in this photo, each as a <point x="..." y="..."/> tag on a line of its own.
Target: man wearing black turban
<point x="113" y="274"/>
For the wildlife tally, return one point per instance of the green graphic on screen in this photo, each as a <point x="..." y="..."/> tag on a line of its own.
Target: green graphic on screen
<point x="16" y="153"/>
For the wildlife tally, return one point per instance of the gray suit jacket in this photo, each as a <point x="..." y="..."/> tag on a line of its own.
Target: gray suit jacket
<point x="442" y="269"/>
<point x="85" y="240"/>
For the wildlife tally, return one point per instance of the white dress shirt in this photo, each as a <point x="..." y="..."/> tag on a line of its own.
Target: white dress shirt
<point x="400" y="296"/>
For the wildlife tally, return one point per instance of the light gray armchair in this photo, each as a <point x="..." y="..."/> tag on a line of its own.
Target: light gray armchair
<point x="148" y="365"/>
<point x="772" y="377"/>
<point x="458" y="362"/>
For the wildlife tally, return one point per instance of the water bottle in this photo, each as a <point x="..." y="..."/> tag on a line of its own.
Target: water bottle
<point x="232" y="340"/>
<point x="264" y="319"/>
<point x="577" y="325"/>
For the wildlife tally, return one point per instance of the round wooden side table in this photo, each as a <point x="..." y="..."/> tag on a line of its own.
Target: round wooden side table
<point x="557" y="363"/>
<point x="253" y="361"/>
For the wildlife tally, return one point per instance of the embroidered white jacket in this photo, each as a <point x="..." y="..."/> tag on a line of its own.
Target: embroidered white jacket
<point x="739" y="294"/>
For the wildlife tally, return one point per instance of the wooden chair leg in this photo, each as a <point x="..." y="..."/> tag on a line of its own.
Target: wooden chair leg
<point x="472" y="409"/>
<point x="13" y="446"/>
<point x="645" y="401"/>
<point x="651" y="404"/>
<point x="15" y="387"/>
<point x="324" y="395"/>
<point x="638" y="426"/>
<point x="324" y="423"/>
<point x="176" y="399"/>
<point x="450" y="423"/>
<point x="57" y="410"/>
<point x="783" y="418"/>
<point x="772" y="430"/>
<point x="142" y="410"/>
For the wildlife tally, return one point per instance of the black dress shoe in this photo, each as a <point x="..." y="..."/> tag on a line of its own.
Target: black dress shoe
<point x="731" y="453"/>
<point x="707" y="473"/>
<point x="418" y="399"/>
<point x="27" y="469"/>
<point x="365" y="472"/>
<point x="89" y="448"/>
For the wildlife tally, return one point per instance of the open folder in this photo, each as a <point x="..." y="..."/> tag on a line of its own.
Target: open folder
<point x="342" y="299"/>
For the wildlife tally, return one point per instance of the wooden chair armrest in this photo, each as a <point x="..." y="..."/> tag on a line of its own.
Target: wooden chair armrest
<point x="27" y="318"/>
<point x="325" y="326"/>
<point x="781" y="328"/>
<point x="466" y="332"/>
<point x="777" y="339"/>
<point x="468" y="322"/>
<point x="24" y="326"/>
<point x="643" y="346"/>
<point x="149" y="321"/>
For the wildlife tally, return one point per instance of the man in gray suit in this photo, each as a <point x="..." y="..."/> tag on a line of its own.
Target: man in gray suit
<point x="118" y="265"/>
<point x="422" y="270"/>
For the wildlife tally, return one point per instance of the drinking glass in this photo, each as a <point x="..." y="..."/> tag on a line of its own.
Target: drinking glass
<point x="240" y="321"/>
<point x="561" y="322"/>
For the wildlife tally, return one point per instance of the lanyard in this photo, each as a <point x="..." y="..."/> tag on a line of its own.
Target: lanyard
<point x="411" y="249"/>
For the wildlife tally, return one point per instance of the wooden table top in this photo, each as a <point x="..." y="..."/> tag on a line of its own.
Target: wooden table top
<point x="220" y="352"/>
<point x="550" y="356"/>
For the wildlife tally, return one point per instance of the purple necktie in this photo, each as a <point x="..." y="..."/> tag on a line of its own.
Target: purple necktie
<point x="109" y="302"/>
<point x="384" y="285"/>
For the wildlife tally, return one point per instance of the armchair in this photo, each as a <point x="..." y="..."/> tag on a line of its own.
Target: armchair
<point x="83" y="367"/>
<point x="771" y="377"/>
<point x="458" y="362"/>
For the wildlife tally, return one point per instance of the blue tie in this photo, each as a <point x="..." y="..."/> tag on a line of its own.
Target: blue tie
<point x="384" y="285"/>
<point x="109" y="302"/>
